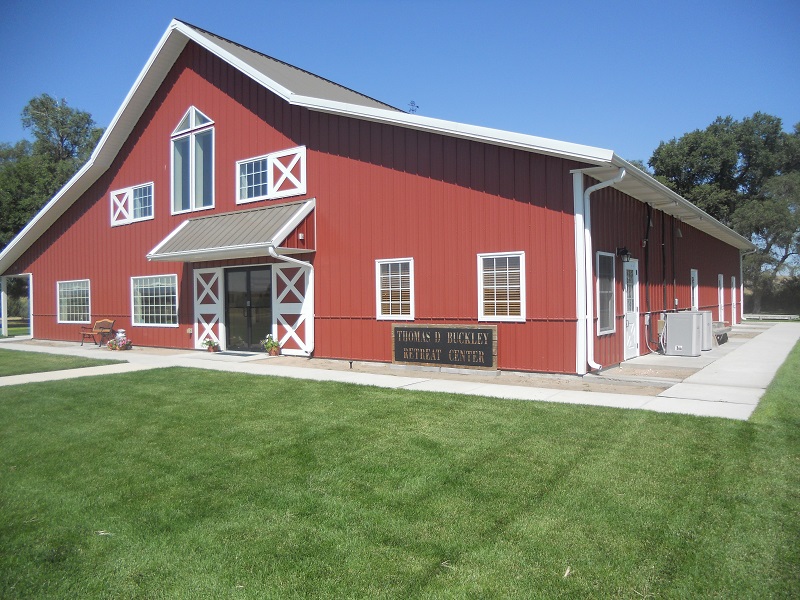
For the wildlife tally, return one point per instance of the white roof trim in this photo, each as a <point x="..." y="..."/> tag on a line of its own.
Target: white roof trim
<point x="163" y="58"/>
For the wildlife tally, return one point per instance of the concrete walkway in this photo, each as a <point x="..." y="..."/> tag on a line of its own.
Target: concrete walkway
<point x="728" y="381"/>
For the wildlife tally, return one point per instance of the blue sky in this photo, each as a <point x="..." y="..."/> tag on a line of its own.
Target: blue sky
<point x="618" y="75"/>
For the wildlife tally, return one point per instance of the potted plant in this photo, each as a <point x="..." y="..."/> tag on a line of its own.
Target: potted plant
<point x="119" y="343"/>
<point x="270" y="345"/>
<point x="211" y="345"/>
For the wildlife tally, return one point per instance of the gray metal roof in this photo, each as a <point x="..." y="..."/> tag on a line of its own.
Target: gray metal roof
<point x="237" y="234"/>
<point x="297" y="80"/>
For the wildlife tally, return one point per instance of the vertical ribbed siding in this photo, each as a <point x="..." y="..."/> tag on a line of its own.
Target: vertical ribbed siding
<point x="382" y="192"/>
<point x="617" y="221"/>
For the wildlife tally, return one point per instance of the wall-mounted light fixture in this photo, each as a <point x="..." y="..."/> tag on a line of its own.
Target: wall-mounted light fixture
<point x="624" y="254"/>
<point x="678" y="233"/>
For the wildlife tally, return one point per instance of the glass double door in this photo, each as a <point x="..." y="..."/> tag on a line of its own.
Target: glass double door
<point x="248" y="307"/>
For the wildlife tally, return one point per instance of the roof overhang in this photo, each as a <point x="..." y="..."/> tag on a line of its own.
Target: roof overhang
<point x="169" y="48"/>
<point x="238" y="234"/>
<point x="648" y="190"/>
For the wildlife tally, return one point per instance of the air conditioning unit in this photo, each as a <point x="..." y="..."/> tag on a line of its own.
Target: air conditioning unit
<point x="683" y="334"/>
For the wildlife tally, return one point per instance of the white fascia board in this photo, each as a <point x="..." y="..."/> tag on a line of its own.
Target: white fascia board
<point x="166" y="239"/>
<point x="107" y="148"/>
<point x="691" y="211"/>
<point x="235" y="62"/>
<point x="489" y="135"/>
<point x="302" y="212"/>
<point x="227" y="252"/>
<point x="451" y="128"/>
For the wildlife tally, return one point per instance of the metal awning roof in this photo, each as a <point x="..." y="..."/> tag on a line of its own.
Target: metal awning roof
<point x="238" y="234"/>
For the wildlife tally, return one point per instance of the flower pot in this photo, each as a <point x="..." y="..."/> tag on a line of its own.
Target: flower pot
<point x="274" y="351"/>
<point x="213" y="348"/>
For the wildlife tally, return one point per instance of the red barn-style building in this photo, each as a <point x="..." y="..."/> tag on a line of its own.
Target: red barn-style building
<point x="234" y="195"/>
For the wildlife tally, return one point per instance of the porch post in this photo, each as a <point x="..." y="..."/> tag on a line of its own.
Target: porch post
<point x="4" y="305"/>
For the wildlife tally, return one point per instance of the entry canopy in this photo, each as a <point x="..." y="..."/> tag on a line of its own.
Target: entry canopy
<point x="238" y="234"/>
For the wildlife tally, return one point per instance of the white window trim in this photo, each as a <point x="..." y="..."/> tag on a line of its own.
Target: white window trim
<point x="177" y="301"/>
<point x="614" y="294"/>
<point x="412" y="308"/>
<point x="238" y="191"/>
<point x="58" y="300"/>
<point x="271" y="159"/>
<point x="191" y="133"/>
<point x="522" y="283"/>
<point x="115" y="210"/>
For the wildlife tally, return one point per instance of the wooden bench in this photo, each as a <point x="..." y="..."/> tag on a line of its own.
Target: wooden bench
<point x="104" y="328"/>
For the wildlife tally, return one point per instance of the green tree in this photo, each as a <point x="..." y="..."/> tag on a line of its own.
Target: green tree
<point x="746" y="174"/>
<point x="31" y="173"/>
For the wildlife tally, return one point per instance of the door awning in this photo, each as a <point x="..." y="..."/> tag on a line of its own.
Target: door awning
<point x="238" y="234"/>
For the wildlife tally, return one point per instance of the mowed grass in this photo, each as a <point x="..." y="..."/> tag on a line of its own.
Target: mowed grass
<point x="17" y="330"/>
<point x="13" y="362"/>
<point x="191" y="484"/>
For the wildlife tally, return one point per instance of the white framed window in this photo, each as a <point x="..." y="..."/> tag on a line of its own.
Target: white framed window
<point x="721" y="296"/>
<point x="132" y="204"/>
<point x="74" y="301"/>
<point x="193" y="163"/>
<point x="394" y="289"/>
<point x="501" y="287"/>
<point x="276" y="175"/>
<point x="606" y="293"/>
<point x="154" y="300"/>
<point x="252" y="179"/>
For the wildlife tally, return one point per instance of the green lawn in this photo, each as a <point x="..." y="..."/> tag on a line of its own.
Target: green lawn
<point x="192" y="484"/>
<point x="17" y="330"/>
<point x="13" y="362"/>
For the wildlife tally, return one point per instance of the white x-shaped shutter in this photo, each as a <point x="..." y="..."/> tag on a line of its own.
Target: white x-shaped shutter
<point x="121" y="206"/>
<point x="287" y="173"/>
<point x="293" y="308"/>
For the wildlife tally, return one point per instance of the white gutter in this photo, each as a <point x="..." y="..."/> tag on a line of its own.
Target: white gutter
<point x="309" y="294"/>
<point x="587" y="259"/>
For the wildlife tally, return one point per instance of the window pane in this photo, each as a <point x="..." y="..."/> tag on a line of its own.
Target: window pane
<point x="155" y="300"/>
<point x="502" y="286"/>
<point x="180" y="175"/>
<point x="203" y="169"/>
<point x="143" y="202"/>
<point x="605" y="283"/>
<point x="73" y="301"/>
<point x="394" y="289"/>
<point x="253" y="179"/>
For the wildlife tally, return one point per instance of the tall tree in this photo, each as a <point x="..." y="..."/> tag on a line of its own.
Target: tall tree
<point x="746" y="174"/>
<point x="31" y="173"/>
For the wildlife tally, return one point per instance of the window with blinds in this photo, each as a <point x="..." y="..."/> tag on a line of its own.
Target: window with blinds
<point x="501" y="287"/>
<point x="395" y="289"/>
<point x="605" y="292"/>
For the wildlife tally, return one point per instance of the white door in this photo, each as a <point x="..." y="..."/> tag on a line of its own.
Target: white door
<point x="694" y="287"/>
<point x="293" y="308"/>
<point x="721" y="296"/>
<point x="208" y="307"/>
<point x="630" y="283"/>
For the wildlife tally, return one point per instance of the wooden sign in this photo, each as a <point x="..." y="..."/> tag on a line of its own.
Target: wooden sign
<point x="471" y="347"/>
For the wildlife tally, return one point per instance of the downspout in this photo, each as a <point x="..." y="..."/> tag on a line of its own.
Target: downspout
<point x="309" y="287"/>
<point x="587" y="234"/>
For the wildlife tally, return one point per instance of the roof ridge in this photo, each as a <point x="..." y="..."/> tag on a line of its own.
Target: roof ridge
<point x="277" y="60"/>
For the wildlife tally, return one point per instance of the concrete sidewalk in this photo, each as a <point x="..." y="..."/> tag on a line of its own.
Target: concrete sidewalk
<point x="729" y="383"/>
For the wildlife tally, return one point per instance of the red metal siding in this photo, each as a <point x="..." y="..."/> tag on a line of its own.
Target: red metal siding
<point x="618" y="220"/>
<point x="382" y="192"/>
